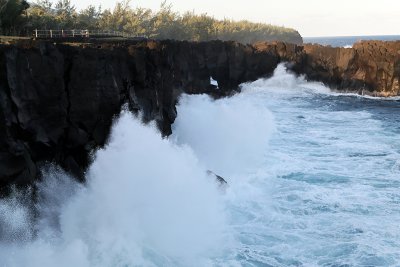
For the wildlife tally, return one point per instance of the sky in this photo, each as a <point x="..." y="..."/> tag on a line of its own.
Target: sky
<point x="310" y="17"/>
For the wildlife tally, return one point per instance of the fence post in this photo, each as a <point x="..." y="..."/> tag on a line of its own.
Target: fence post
<point x="51" y="33"/>
<point x="73" y="33"/>
<point x="36" y="33"/>
<point x="62" y="33"/>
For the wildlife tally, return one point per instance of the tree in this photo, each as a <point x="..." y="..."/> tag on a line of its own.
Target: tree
<point x="11" y="15"/>
<point x="118" y="18"/>
<point x="198" y="27"/>
<point x="163" y="24"/>
<point x="89" y="18"/>
<point x="139" y="22"/>
<point x="65" y="14"/>
<point x="41" y="15"/>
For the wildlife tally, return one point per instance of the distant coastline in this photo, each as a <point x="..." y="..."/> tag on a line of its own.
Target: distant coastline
<point x="344" y="41"/>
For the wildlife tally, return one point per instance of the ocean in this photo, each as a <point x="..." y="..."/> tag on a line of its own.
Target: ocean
<point x="348" y="41"/>
<point x="313" y="180"/>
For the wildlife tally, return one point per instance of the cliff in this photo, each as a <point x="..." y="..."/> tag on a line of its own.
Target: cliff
<point x="370" y="67"/>
<point x="57" y="101"/>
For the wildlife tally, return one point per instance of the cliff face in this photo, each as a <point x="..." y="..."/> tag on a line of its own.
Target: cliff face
<point x="370" y="67"/>
<point x="57" y="102"/>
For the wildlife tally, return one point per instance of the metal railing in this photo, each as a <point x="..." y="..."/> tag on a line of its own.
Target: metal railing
<point x="80" y="34"/>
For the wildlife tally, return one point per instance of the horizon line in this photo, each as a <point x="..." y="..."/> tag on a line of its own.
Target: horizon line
<point x="335" y="36"/>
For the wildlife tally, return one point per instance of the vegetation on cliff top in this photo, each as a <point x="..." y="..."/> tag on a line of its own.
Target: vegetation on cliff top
<point x="20" y="18"/>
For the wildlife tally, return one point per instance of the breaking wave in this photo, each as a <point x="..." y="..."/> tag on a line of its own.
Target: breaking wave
<point x="147" y="202"/>
<point x="312" y="174"/>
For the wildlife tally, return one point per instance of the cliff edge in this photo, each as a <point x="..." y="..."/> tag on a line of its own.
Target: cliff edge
<point x="370" y="67"/>
<point x="58" y="101"/>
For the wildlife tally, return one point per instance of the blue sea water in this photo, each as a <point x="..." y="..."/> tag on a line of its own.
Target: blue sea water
<point x="348" y="41"/>
<point x="314" y="180"/>
<point x="325" y="191"/>
<point x="330" y="180"/>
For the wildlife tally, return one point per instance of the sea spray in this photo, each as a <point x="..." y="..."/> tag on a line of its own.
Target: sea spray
<point x="321" y="188"/>
<point x="147" y="202"/>
<point x="326" y="192"/>
<point x="229" y="136"/>
<point x="15" y="217"/>
<point x="283" y="84"/>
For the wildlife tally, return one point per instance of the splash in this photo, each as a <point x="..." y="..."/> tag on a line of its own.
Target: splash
<point x="284" y="83"/>
<point x="316" y="184"/>
<point x="229" y="136"/>
<point x="147" y="202"/>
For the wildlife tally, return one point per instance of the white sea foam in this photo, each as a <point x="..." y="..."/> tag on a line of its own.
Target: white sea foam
<point x="313" y="181"/>
<point x="284" y="83"/>
<point x="147" y="202"/>
<point x="213" y="82"/>
<point x="228" y="135"/>
<point x="326" y="192"/>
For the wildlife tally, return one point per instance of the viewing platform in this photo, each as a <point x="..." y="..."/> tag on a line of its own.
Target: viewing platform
<point x="76" y="33"/>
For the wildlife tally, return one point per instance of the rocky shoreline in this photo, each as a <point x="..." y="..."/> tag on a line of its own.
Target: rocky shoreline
<point x="369" y="67"/>
<point x="58" y="101"/>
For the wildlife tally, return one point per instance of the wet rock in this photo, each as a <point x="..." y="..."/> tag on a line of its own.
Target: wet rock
<point x="221" y="181"/>
<point x="370" y="67"/>
<point x="58" y="101"/>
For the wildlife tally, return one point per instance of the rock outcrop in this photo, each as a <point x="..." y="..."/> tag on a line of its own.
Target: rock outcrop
<point x="221" y="181"/>
<point x="370" y="67"/>
<point x="58" y="101"/>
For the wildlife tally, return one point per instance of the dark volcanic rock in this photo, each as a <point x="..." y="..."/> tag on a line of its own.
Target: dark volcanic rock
<point x="370" y="67"/>
<point x="221" y="181"/>
<point x="57" y="102"/>
<point x="33" y="103"/>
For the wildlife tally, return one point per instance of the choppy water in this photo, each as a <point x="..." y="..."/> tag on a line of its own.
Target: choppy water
<point x="332" y="176"/>
<point x="314" y="180"/>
